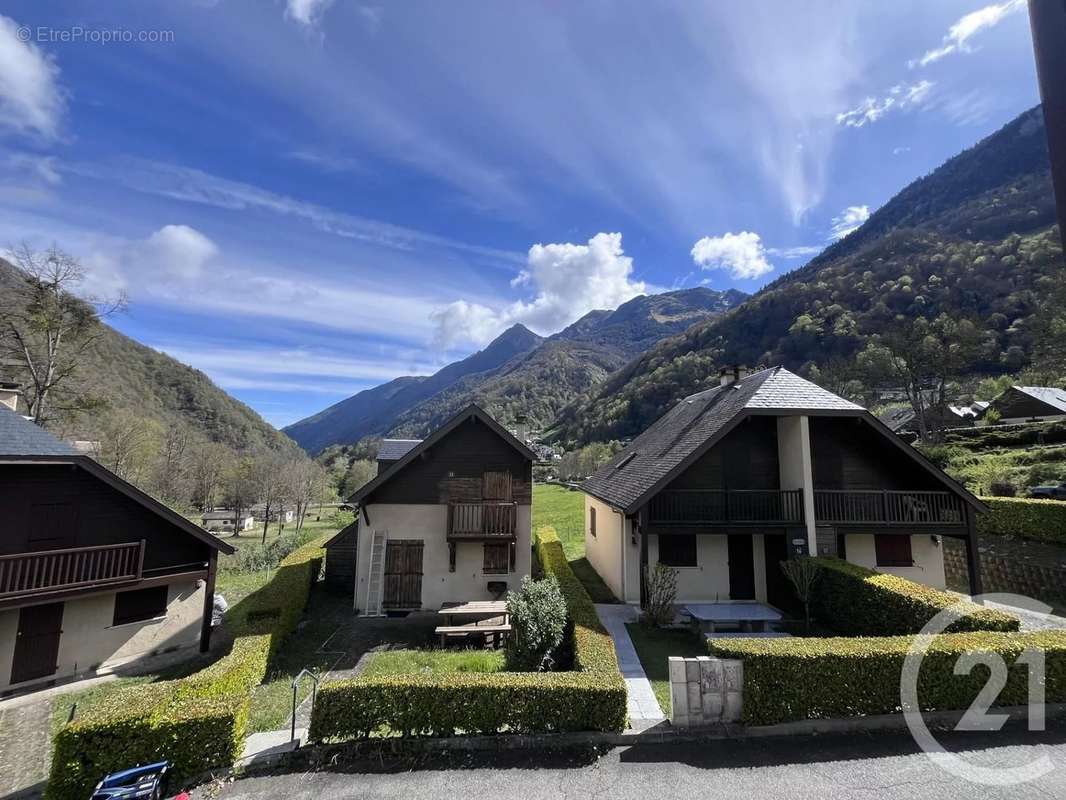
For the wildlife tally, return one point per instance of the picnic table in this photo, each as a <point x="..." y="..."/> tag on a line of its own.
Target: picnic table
<point x="747" y="616"/>
<point x="475" y="617"/>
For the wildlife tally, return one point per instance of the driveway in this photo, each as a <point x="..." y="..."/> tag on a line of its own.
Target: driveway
<point x="853" y="766"/>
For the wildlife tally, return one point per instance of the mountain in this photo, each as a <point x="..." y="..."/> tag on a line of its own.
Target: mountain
<point x="974" y="240"/>
<point x="135" y="382"/>
<point x="519" y="373"/>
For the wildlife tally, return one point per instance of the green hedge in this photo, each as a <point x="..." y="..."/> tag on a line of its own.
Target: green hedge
<point x="810" y="678"/>
<point x="1016" y="516"/>
<point x="861" y="602"/>
<point x="198" y="722"/>
<point x="592" y="697"/>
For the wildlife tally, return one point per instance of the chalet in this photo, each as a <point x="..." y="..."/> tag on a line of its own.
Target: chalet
<point x="1030" y="404"/>
<point x="448" y="520"/>
<point x="94" y="573"/>
<point x="226" y="520"/>
<point x="903" y="419"/>
<point x="736" y="479"/>
<point x="277" y="514"/>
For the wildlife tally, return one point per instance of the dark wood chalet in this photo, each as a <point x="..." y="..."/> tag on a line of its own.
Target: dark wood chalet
<point x="94" y="573"/>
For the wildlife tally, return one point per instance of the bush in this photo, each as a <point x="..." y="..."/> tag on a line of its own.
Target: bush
<point x="197" y="722"/>
<point x="593" y="697"/>
<point x="801" y="678"/>
<point x="538" y="620"/>
<point x="661" y="581"/>
<point x="1016" y="516"/>
<point x="858" y="601"/>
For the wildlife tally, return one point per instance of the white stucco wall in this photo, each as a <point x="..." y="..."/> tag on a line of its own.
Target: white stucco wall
<point x="612" y="552"/>
<point x="795" y="467"/>
<point x="928" y="558"/>
<point x="91" y="644"/>
<point x="429" y="523"/>
<point x="708" y="581"/>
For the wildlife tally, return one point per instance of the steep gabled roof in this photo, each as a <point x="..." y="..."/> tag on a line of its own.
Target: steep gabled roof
<point x="699" y="421"/>
<point x="22" y="442"/>
<point x="395" y="449"/>
<point x="1056" y="398"/>
<point x="471" y="411"/>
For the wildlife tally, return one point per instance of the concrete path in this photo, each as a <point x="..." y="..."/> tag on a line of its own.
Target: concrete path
<point x="25" y="746"/>
<point x="643" y="707"/>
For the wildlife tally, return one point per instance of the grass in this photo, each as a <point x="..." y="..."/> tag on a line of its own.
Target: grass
<point x="564" y="510"/>
<point x="433" y="662"/>
<point x="654" y="646"/>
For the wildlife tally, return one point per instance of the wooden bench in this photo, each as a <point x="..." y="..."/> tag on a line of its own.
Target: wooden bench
<point x="495" y="632"/>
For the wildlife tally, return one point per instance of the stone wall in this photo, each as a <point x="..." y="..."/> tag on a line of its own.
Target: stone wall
<point x="1010" y="565"/>
<point x="705" y="690"/>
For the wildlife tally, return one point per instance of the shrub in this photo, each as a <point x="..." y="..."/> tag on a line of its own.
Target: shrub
<point x="661" y="582"/>
<point x="197" y="722"/>
<point x="858" y="601"/>
<point x="538" y="620"/>
<point x="809" y="678"/>
<point x="592" y="697"/>
<point x="1016" y="516"/>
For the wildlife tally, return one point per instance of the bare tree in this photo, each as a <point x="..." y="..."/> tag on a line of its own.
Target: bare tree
<point x="46" y="328"/>
<point x="238" y="479"/>
<point x="269" y="479"/>
<point x="128" y="445"/>
<point x="171" y="467"/>
<point x="304" y="479"/>
<point x="207" y="464"/>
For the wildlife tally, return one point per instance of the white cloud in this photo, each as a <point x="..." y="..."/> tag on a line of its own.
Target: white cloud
<point x="179" y="250"/>
<point x="898" y="151"/>
<point x="848" y="220"/>
<point x="798" y="251"/>
<point x="900" y="97"/>
<point x="307" y="12"/>
<point x="957" y="39"/>
<point x="31" y="100"/>
<point x="741" y="254"/>
<point x="568" y="281"/>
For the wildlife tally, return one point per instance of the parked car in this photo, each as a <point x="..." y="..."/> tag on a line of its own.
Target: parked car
<point x="147" y="781"/>
<point x="1048" y="492"/>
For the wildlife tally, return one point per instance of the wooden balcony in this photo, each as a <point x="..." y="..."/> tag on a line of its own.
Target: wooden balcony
<point x="482" y="520"/>
<point x="700" y="507"/>
<point x="879" y="507"/>
<point x="29" y="574"/>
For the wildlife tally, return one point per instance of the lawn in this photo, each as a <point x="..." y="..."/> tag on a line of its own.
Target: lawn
<point x="564" y="510"/>
<point x="433" y="662"/>
<point x="654" y="646"/>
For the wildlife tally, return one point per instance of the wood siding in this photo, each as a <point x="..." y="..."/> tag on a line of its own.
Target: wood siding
<point x="453" y="470"/>
<point x="52" y="506"/>
<point x="849" y="454"/>
<point x="1013" y="404"/>
<point x="340" y="559"/>
<point x="745" y="459"/>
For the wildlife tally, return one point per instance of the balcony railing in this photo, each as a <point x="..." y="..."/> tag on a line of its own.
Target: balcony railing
<point x="878" y="507"/>
<point x="727" y="507"/>
<point x="26" y="574"/>
<point x="485" y="519"/>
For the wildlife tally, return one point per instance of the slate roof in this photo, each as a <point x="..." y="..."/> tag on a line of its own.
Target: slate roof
<point x="395" y="449"/>
<point x="20" y="437"/>
<point x="664" y="447"/>
<point x="1056" y="398"/>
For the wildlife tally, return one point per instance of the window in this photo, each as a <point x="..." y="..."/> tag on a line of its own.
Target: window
<point x="893" y="550"/>
<point x="592" y="520"/>
<point x="678" y="550"/>
<point x="497" y="556"/>
<point x="140" y="604"/>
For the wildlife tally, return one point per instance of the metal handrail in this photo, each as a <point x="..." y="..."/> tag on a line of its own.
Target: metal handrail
<point x="314" y="692"/>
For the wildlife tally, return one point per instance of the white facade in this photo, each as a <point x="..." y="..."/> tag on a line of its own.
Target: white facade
<point x="92" y="645"/>
<point x="429" y="524"/>
<point x="927" y="552"/>
<point x="613" y="552"/>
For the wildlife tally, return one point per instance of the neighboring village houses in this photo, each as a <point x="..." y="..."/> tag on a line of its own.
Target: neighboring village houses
<point x="1030" y="404"/>
<point x="447" y="519"/>
<point x="94" y="573"/>
<point x="736" y="479"/>
<point x="222" y="521"/>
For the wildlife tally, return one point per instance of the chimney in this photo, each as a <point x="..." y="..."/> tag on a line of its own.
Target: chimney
<point x="9" y="395"/>
<point x="521" y="428"/>
<point x="728" y="375"/>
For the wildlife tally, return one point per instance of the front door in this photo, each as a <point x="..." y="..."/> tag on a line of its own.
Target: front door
<point x="37" y="642"/>
<point x="741" y="568"/>
<point x="778" y="589"/>
<point x="403" y="574"/>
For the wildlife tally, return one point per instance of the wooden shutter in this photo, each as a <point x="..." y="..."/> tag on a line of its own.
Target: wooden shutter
<point x="496" y="486"/>
<point x="403" y="573"/>
<point x="893" y="550"/>
<point x="497" y="558"/>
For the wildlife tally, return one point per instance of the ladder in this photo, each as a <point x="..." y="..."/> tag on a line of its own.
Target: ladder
<point x="375" y="585"/>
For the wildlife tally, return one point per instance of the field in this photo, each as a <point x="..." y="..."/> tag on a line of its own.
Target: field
<point x="564" y="510"/>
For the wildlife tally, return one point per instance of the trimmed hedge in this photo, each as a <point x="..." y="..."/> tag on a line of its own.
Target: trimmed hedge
<point x="861" y="602"/>
<point x="197" y="722"/>
<point x="592" y="697"/>
<point x="796" y="679"/>
<point x="1016" y="516"/>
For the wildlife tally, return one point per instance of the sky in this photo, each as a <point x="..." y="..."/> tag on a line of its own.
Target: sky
<point x="306" y="198"/>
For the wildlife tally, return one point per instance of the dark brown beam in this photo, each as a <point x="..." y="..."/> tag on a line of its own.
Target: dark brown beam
<point x="209" y="603"/>
<point x="973" y="557"/>
<point x="1048" y="21"/>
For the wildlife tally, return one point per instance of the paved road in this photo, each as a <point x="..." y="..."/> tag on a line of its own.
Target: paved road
<point x="855" y="766"/>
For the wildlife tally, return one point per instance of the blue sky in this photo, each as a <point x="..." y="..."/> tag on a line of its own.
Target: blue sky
<point x="307" y="198"/>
